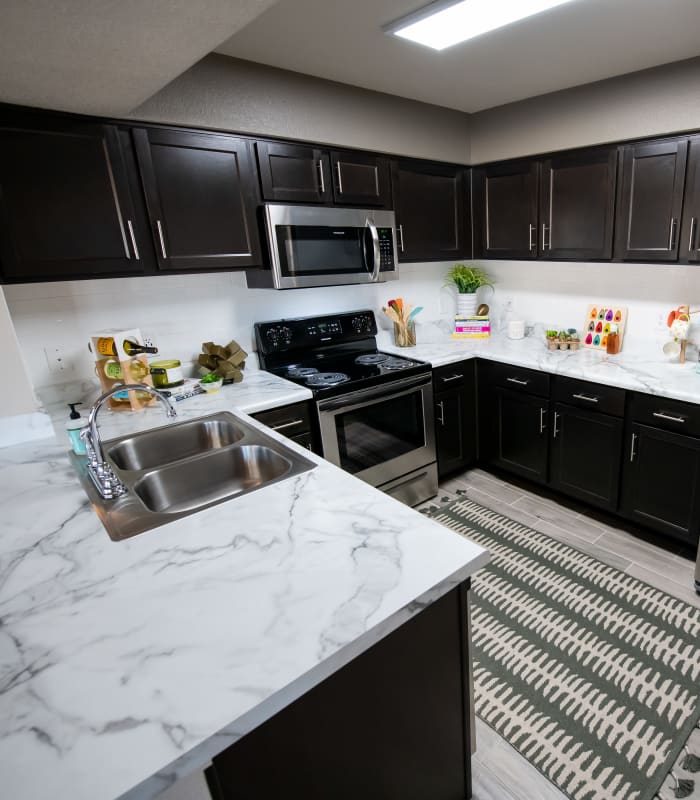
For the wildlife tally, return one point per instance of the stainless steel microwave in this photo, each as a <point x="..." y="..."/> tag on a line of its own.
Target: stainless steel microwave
<point x="322" y="246"/>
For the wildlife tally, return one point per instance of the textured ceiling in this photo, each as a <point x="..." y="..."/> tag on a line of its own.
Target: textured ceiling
<point x="106" y="57"/>
<point x="577" y="43"/>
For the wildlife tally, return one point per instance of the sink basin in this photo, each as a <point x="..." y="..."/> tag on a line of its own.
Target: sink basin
<point x="182" y="468"/>
<point x="191" y="484"/>
<point x="173" y="442"/>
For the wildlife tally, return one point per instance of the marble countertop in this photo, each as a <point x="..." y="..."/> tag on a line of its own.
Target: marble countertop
<point x="644" y="370"/>
<point x="126" y="665"/>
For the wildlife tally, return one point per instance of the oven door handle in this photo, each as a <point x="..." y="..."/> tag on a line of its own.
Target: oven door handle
<point x="385" y="392"/>
<point x="375" y="247"/>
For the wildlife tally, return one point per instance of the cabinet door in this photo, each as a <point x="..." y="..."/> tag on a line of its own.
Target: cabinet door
<point x="577" y="205"/>
<point x="586" y="455"/>
<point x="690" y="236"/>
<point x="65" y="205"/>
<point x="361" y="179"/>
<point x="294" y="173"/>
<point x="431" y="211"/>
<point x="455" y="417"/>
<point x="517" y="433"/>
<point x="650" y="201"/>
<point x="200" y="195"/>
<point x="660" y="481"/>
<point x="505" y="210"/>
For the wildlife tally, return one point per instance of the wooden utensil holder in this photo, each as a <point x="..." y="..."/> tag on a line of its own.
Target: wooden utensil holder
<point x="135" y="403"/>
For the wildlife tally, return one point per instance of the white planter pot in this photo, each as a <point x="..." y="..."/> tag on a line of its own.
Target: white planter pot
<point x="466" y="304"/>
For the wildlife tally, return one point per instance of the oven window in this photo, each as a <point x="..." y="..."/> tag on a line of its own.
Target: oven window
<point x="377" y="433"/>
<point x="310" y="250"/>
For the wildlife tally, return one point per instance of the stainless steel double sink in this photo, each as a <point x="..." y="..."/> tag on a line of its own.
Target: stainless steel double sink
<point x="182" y="468"/>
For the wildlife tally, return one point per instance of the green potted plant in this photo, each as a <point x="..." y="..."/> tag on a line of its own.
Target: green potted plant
<point x="552" y="342"/>
<point x="467" y="280"/>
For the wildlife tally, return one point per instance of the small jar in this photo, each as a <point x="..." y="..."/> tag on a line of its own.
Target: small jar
<point x="167" y="373"/>
<point x="613" y="344"/>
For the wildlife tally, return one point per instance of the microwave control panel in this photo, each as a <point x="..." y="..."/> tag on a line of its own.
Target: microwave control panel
<point x="306" y="332"/>
<point x="386" y="249"/>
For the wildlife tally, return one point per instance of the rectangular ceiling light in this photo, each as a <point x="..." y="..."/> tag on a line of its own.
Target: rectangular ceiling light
<point x="443" y="24"/>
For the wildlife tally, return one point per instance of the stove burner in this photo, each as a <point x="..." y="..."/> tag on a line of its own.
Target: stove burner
<point x="372" y="358"/>
<point x="301" y="372"/>
<point x="321" y="379"/>
<point x="396" y="363"/>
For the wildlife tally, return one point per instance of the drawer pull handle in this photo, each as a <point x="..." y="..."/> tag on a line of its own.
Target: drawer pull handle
<point x="284" y="425"/>
<point x="441" y="418"/>
<point x="543" y="412"/>
<point x="556" y="430"/>
<point x="518" y="381"/>
<point x="455" y="377"/>
<point x="633" y="452"/>
<point x="586" y="397"/>
<point x="669" y="417"/>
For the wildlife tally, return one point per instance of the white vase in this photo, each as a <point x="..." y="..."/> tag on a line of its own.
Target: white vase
<point x="466" y="304"/>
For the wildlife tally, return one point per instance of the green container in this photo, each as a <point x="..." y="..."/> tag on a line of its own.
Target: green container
<point x="167" y="373"/>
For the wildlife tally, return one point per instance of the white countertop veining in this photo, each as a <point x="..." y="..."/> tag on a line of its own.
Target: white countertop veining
<point x="641" y="371"/>
<point x="126" y="665"/>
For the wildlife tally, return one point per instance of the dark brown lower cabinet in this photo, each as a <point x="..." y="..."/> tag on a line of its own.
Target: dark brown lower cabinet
<point x="393" y="724"/>
<point x="586" y="455"/>
<point x="661" y="481"/>
<point x="455" y="416"/>
<point x="295" y="421"/>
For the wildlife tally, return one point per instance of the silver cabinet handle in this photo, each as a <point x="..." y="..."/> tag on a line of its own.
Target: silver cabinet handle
<point x="162" y="238"/>
<point x="441" y="418"/>
<point x="284" y="425"/>
<point x="672" y="234"/>
<point x="633" y="452"/>
<point x="693" y="225"/>
<point x="133" y="240"/>
<point x="518" y="381"/>
<point x="455" y="377"/>
<point x="530" y="242"/>
<point x="585" y="397"/>
<point x="669" y="417"/>
<point x="401" y="237"/>
<point x="322" y="180"/>
<point x="546" y="245"/>
<point x="340" y="177"/>
<point x="543" y="412"/>
<point x="556" y="430"/>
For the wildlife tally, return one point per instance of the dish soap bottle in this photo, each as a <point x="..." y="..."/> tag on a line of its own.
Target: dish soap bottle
<point x="74" y="426"/>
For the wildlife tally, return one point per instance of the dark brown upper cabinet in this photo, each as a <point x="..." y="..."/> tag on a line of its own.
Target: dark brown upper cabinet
<point x="650" y="200"/>
<point x="200" y="193"/>
<point x="690" y="236"/>
<point x="66" y="209"/>
<point x="577" y="205"/>
<point x="505" y="210"/>
<point x="291" y="173"/>
<point x="361" y="179"/>
<point x="432" y="210"/>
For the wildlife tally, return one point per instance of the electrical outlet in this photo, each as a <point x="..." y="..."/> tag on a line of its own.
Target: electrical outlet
<point x="56" y="358"/>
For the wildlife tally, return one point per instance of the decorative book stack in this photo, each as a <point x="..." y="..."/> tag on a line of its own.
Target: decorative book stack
<point x="471" y="327"/>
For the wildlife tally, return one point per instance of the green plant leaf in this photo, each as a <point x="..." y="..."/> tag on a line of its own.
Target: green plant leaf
<point x="468" y="279"/>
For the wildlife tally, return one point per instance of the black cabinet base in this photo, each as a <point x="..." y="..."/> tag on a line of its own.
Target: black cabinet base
<point x="393" y="724"/>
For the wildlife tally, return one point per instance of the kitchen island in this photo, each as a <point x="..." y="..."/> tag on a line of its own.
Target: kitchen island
<point x="128" y="665"/>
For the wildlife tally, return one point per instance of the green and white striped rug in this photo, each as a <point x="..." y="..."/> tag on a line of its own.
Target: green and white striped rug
<point x="589" y="673"/>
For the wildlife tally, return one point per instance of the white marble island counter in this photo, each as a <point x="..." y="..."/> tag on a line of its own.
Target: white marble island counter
<point x="125" y="665"/>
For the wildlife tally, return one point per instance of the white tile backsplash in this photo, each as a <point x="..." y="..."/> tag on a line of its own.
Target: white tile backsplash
<point x="179" y="312"/>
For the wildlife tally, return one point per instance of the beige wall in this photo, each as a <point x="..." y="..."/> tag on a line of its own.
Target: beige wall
<point x="655" y="101"/>
<point x="230" y="94"/>
<point x="18" y="395"/>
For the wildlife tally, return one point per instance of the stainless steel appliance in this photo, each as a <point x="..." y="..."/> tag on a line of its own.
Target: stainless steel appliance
<point x="697" y="572"/>
<point x="374" y="408"/>
<point x="322" y="246"/>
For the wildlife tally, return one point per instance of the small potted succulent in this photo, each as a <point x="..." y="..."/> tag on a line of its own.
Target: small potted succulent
<point x="552" y="341"/>
<point x="564" y="340"/>
<point x="574" y="340"/>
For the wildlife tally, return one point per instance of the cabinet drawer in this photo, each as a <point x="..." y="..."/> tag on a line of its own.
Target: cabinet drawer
<point x="518" y="379"/>
<point x="452" y="376"/>
<point x="593" y="396"/>
<point x="670" y="415"/>
<point x="289" y="420"/>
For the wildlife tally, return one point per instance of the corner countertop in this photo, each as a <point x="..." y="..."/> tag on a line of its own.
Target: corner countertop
<point x="127" y="665"/>
<point x="643" y="370"/>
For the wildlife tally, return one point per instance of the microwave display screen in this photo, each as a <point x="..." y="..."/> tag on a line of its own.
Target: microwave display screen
<point x="309" y="250"/>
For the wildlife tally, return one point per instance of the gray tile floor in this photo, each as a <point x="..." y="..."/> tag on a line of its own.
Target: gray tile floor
<point x="499" y="772"/>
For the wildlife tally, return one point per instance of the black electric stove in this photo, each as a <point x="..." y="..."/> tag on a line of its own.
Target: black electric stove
<point x="331" y="354"/>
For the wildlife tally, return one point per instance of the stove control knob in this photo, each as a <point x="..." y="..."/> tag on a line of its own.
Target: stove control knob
<point x="358" y="324"/>
<point x="285" y="335"/>
<point x="272" y="338"/>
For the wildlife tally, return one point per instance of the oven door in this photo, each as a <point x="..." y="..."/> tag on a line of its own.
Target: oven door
<point x="329" y="246"/>
<point x="382" y="433"/>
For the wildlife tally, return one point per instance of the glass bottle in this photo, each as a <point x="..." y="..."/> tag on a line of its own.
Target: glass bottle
<point x="106" y="346"/>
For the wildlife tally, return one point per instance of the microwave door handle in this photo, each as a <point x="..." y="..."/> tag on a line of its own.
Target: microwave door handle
<point x="377" y="251"/>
